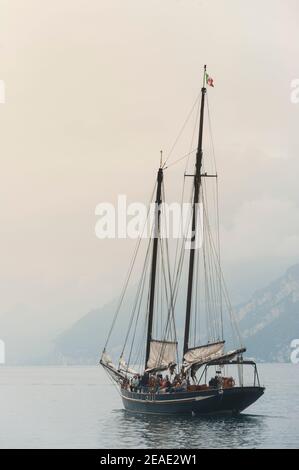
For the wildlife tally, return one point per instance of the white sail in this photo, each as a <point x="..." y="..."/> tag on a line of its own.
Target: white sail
<point x="107" y="361"/>
<point x="162" y="354"/>
<point x="230" y="355"/>
<point x="204" y="353"/>
<point x="123" y="366"/>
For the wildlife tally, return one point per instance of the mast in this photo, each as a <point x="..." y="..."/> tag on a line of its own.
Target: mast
<point x="154" y="263"/>
<point x="197" y="184"/>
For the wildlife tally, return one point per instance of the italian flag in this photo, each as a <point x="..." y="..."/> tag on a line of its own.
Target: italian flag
<point x="209" y="80"/>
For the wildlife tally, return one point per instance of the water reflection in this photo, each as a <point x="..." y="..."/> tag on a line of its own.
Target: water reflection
<point x="150" y="431"/>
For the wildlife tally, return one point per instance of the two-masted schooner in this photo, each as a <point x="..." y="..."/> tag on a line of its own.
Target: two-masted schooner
<point x="150" y="375"/>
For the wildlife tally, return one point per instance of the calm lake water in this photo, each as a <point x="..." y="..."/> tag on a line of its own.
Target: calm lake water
<point x="77" y="407"/>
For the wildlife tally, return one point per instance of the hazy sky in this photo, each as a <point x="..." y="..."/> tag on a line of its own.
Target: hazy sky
<point x="93" y="91"/>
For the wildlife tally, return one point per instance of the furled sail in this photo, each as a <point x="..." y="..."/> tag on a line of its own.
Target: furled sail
<point x="220" y="359"/>
<point x="123" y="366"/>
<point x="162" y="355"/>
<point x="229" y="356"/>
<point x="107" y="363"/>
<point x="204" y="354"/>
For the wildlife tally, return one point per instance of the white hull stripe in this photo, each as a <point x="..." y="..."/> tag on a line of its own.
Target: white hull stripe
<point x="161" y="402"/>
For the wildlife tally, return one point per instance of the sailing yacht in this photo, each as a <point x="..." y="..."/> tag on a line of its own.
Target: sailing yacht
<point x="151" y="375"/>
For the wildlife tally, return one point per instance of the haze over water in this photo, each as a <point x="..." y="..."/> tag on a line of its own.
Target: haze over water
<point x="77" y="407"/>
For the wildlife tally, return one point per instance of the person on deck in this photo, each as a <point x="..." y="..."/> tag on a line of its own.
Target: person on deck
<point x="164" y="384"/>
<point x="214" y="382"/>
<point x="180" y="386"/>
<point x="184" y="385"/>
<point x="143" y="384"/>
<point x="135" y="384"/>
<point x="167" y="383"/>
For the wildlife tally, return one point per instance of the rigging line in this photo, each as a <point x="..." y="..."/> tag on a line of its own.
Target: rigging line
<point x="196" y="125"/>
<point x="181" y="229"/>
<point x="162" y="303"/>
<point x="231" y="312"/>
<point x="216" y="287"/>
<point x="160" y="312"/>
<point x="183" y="233"/>
<point x="211" y="134"/>
<point x="212" y="290"/>
<point x="208" y="326"/>
<point x="163" y="348"/>
<point x="191" y="202"/>
<point x="206" y="287"/>
<point x="170" y="317"/>
<point x="184" y="179"/>
<point x="140" y="353"/>
<point x="212" y="276"/>
<point x="182" y="130"/>
<point x="157" y="298"/>
<point x="113" y="382"/>
<point x="136" y="322"/>
<point x="129" y="274"/>
<point x="143" y="346"/>
<point x="161" y="262"/>
<point x="169" y="275"/>
<point x="196" y="315"/>
<point x="236" y="330"/>
<point x="219" y="254"/>
<point x="139" y="290"/>
<point x="181" y="260"/>
<point x="229" y="306"/>
<point x="217" y="208"/>
<point x="166" y="287"/>
<point x="179" y="159"/>
<point x="137" y="302"/>
<point x="215" y="280"/>
<point x="184" y="183"/>
<point x="140" y="348"/>
<point x="166" y="281"/>
<point x="178" y="270"/>
<point x="217" y="277"/>
<point x="196" y="304"/>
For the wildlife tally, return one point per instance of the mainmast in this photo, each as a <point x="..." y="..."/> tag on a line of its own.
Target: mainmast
<point x="154" y="263"/>
<point x="197" y="184"/>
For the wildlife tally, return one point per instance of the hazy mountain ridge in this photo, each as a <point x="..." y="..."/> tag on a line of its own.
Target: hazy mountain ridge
<point x="269" y="321"/>
<point x="82" y="343"/>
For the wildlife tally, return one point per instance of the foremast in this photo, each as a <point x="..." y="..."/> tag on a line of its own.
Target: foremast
<point x="154" y="263"/>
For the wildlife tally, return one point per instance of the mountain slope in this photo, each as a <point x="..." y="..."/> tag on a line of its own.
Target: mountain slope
<point x="82" y="343"/>
<point x="268" y="323"/>
<point x="270" y="320"/>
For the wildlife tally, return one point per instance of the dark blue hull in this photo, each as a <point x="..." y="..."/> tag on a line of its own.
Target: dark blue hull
<point x="227" y="401"/>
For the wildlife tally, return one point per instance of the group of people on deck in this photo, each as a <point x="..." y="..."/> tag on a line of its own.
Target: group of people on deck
<point x="158" y="383"/>
<point x="150" y="383"/>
